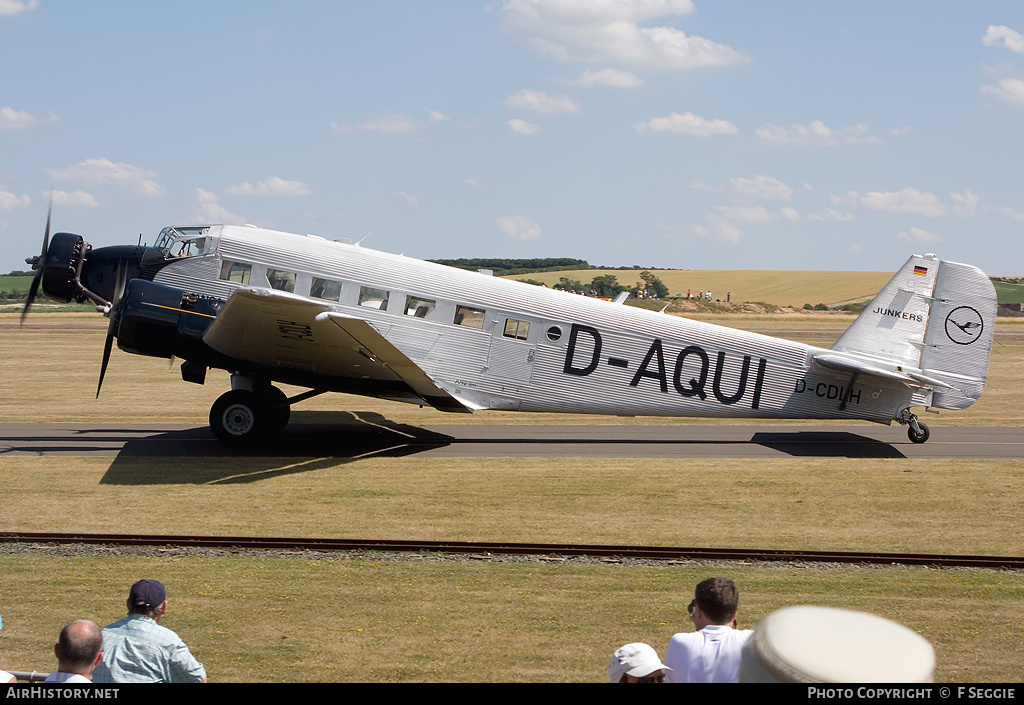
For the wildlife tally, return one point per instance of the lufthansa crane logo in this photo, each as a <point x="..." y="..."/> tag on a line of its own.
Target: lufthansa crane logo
<point x="964" y="325"/>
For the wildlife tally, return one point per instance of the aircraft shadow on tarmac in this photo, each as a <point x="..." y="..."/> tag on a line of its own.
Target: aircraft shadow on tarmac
<point x="320" y="440"/>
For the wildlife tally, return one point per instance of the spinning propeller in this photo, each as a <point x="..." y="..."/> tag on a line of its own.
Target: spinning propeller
<point x="114" y="314"/>
<point x="68" y="268"/>
<point x="37" y="264"/>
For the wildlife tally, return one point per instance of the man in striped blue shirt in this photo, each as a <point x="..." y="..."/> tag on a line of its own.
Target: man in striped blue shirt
<point x="138" y="650"/>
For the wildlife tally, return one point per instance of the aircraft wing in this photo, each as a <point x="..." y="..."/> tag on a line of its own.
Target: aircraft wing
<point x="278" y="329"/>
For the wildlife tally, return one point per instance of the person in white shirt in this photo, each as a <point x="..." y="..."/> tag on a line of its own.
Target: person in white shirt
<point x="712" y="653"/>
<point x="78" y="650"/>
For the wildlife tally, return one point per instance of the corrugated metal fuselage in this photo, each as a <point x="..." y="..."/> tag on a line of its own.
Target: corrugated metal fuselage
<point x="561" y="352"/>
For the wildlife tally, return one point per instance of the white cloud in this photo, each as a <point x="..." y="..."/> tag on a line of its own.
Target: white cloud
<point x="541" y="102"/>
<point x="607" y="31"/>
<point x="762" y="187"/>
<point x="997" y="35"/>
<point x="210" y="211"/>
<point x="103" y="171"/>
<point x="1010" y="213"/>
<point x="746" y="214"/>
<point x="9" y="201"/>
<point x="718" y="229"/>
<point x="965" y="204"/>
<point x="475" y="183"/>
<point x="385" y="123"/>
<point x="435" y="116"/>
<point x="523" y="127"/>
<point x="908" y="200"/>
<point x="831" y="215"/>
<point x="13" y="7"/>
<point x="11" y="119"/>
<point x="519" y="227"/>
<point x="609" y="77"/>
<point x="273" y="186"/>
<point x="75" y="199"/>
<point x="686" y="124"/>
<point x="406" y="199"/>
<point x="1009" y="91"/>
<point x="919" y="235"/>
<point x="816" y="134"/>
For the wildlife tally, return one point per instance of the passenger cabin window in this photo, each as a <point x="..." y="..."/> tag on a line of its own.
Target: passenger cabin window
<point x="373" y="298"/>
<point x="237" y="272"/>
<point x="325" y="289"/>
<point x="469" y="317"/>
<point x="415" y="306"/>
<point x="281" y="280"/>
<point x="519" y="330"/>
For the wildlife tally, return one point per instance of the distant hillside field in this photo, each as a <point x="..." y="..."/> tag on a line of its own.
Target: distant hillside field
<point x="781" y="288"/>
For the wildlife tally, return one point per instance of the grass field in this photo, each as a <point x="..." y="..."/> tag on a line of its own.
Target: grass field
<point x="363" y="619"/>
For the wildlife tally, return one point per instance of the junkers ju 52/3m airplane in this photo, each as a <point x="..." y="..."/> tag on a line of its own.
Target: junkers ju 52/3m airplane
<point x="332" y="316"/>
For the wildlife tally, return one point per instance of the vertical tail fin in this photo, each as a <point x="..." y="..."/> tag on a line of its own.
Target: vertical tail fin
<point x="934" y="316"/>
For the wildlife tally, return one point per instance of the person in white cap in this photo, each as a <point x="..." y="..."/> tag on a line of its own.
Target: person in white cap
<point x="712" y="653"/>
<point x="636" y="663"/>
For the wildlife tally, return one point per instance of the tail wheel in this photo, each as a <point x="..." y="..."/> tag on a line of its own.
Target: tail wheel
<point x="238" y="417"/>
<point x="918" y="435"/>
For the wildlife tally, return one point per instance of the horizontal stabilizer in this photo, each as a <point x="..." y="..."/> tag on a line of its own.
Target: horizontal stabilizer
<point x="846" y="364"/>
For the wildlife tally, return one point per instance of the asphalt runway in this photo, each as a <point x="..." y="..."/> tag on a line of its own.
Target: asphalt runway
<point x="382" y="438"/>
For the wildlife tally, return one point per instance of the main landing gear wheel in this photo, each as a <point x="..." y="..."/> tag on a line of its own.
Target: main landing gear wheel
<point x="278" y="411"/>
<point x="918" y="435"/>
<point x="242" y="417"/>
<point x="238" y="417"/>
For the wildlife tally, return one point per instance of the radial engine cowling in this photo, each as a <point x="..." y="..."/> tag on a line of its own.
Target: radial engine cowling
<point x="65" y="258"/>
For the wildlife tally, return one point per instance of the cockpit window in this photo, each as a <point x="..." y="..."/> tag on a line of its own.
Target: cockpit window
<point x="182" y="241"/>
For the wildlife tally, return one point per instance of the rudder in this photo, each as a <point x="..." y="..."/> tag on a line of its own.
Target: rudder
<point x="936" y="317"/>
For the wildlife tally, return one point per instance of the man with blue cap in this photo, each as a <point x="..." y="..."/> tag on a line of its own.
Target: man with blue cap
<point x="138" y="650"/>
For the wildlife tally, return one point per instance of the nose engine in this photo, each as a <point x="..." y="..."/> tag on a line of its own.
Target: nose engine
<point x="62" y="268"/>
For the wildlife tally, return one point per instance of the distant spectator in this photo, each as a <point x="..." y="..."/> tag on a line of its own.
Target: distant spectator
<point x="78" y="650"/>
<point x="636" y="663"/>
<point x="138" y="650"/>
<point x="712" y="653"/>
<point x="6" y="677"/>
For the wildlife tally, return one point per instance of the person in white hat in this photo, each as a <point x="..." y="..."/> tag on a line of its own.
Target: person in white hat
<point x="812" y="644"/>
<point x="636" y="663"/>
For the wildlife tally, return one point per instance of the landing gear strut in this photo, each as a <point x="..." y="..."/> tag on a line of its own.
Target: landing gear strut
<point x="241" y="416"/>
<point x="917" y="431"/>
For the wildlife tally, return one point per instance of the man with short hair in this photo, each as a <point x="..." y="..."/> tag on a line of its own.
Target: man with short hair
<point x="78" y="650"/>
<point x="138" y="650"/>
<point x="712" y="653"/>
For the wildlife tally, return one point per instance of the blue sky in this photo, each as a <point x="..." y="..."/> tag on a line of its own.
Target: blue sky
<point x="737" y="134"/>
